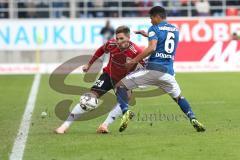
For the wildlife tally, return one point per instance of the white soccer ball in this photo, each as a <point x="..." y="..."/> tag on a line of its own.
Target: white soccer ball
<point x="88" y="102"/>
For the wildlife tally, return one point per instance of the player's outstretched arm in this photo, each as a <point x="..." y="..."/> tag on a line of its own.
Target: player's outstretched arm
<point x="146" y="52"/>
<point x="100" y="51"/>
<point x="141" y="32"/>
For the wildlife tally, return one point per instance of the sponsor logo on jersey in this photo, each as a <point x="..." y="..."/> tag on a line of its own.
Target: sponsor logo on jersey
<point x="162" y="55"/>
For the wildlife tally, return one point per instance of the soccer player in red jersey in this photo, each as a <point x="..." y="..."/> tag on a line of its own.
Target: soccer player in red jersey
<point x="120" y="49"/>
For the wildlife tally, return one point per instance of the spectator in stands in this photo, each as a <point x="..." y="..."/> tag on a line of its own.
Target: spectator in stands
<point x="21" y="9"/>
<point x="232" y="11"/>
<point x="218" y="11"/>
<point x="107" y="32"/>
<point x="160" y="3"/>
<point x="235" y="36"/>
<point x="43" y="6"/>
<point x="184" y="3"/>
<point x="33" y="9"/>
<point x="144" y="4"/>
<point x="80" y="6"/>
<point x="59" y="10"/>
<point x="91" y="12"/>
<point x="202" y="7"/>
<point x="3" y="9"/>
<point x="32" y="12"/>
<point x="127" y="11"/>
<point x="174" y="5"/>
<point x="233" y="3"/>
<point x="97" y="4"/>
<point x="112" y="5"/>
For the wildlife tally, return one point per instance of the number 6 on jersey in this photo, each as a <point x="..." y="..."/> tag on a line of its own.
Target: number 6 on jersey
<point x="169" y="42"/>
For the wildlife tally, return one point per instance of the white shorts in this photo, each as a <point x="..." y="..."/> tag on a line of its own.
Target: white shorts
<point x="164" y="81"/>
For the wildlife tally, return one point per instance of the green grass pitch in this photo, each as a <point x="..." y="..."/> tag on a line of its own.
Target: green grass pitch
<point x="214" y="98"/>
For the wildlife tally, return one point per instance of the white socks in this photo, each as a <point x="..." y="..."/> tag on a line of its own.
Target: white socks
<point x="115" y="113"/>
<point x="77" y="111"/>
<point x="75" y="114"/>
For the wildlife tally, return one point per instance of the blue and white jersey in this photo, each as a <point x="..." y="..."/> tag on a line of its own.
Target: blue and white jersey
<point x="167" y="37"/>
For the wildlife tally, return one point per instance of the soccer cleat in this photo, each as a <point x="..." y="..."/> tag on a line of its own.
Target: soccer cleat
<point x="125" y="120"/>
<point x="197" y="125"/>
<point x="102" y="129"/>
<point x="61" y="130"/>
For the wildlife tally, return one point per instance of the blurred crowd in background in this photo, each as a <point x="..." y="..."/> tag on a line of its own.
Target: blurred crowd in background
<point x="114" y="8"/>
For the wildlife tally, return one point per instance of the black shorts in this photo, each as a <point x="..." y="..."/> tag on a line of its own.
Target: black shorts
<point x="103" y="84"/>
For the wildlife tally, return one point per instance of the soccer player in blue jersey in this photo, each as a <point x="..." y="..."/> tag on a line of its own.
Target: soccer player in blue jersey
<point x="162" y="43"/>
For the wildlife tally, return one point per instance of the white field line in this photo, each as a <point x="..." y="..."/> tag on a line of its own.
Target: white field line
<point x="21" y="139"/>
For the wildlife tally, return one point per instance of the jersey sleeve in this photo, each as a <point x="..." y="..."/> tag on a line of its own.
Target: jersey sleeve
<point x="152" y="34"/>
<point x="99" y="52"/>
<point x="139" y="51"/>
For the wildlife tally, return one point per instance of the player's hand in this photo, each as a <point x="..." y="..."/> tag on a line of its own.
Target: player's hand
<point x="130" y="65"/>
<point x="86" y="67"/>
<point x="142" y="32"/>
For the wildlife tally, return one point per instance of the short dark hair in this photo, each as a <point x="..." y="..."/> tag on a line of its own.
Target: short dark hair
<point x="158" y="10"/>
<point x="123" y="29"/>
